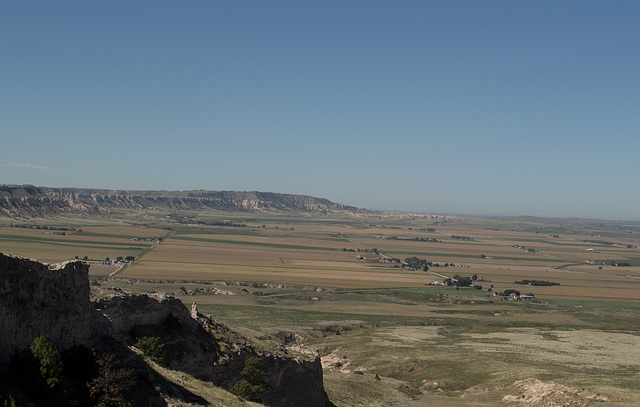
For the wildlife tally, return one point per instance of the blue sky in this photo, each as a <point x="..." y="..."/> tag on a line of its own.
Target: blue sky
<point x="473" y="107"/>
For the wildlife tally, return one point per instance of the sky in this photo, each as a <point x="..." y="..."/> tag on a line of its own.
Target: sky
<point x="449" y="107"/>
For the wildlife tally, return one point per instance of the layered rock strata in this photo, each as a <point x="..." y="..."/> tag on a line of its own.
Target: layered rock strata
<point x="23" y="200"/>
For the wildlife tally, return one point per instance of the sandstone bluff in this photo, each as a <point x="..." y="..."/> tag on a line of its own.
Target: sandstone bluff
<point x="28" y="200"/>
<point x="55" y="300"/>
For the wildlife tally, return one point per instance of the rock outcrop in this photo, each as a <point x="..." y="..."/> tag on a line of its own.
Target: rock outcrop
<point x="36" y="299"/>
<point x="211" y="351"/>
<point x="28" y="200"/>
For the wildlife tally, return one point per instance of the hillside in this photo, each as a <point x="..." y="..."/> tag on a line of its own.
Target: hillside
<point x="28" y="200"/>
<point x="54" y="300"/>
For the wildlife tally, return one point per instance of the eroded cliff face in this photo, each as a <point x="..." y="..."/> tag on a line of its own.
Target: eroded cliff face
<point x="21" y="200"/>
<point x="211" y="351"/>
<point x="189" y="346"/>
<point x="36" y="299"/>
<point x="294" y="381"/>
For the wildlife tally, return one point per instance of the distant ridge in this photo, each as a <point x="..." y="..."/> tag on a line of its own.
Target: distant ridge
<point x="29" y="200"/>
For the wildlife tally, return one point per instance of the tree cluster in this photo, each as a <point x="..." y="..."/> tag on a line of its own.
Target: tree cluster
<point x="151" y="239"/>
<point x="461" y="237"/>
<point x="414" y="239"/>
<point x="616" y="263"/>
<point x="416" y="263"/>
<point x="215" y="223"/>
<point x="461" y="281"/>
<point x="372" y="251"/>
<point x="70" y="229"/>
<point x="539" y="283"/>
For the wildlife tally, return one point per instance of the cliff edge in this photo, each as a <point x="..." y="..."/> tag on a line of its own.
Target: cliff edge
<point x="37" y="299"/>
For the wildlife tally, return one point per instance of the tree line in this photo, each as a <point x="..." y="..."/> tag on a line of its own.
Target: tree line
<point x="540" y="283"/>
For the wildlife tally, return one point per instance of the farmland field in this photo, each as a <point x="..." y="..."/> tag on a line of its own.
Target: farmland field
<point x="96" y="243"/>
<point x="327" y="254"/>
<point x="386" y="336"/>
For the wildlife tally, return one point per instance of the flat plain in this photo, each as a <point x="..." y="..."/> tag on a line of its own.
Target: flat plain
<point x="337" y="283"/>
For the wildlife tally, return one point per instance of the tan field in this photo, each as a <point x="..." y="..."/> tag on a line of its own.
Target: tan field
<point x="312" y="254"/>
<point x="319" y="252"/>
<point x="97" y="243"/>
<point x="387" y="337"/>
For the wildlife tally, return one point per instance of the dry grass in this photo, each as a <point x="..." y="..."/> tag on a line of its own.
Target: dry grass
<point x="417" y="342"/>
<point x="434" y="362"/>
<point x="578" y="349"/>
<point x="215" y="396"/>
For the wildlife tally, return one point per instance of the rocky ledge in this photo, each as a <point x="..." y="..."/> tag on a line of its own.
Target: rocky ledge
<point x="36" y="298"/>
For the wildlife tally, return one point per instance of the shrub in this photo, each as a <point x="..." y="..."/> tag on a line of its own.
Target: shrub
<point x="9" y="401"/>
<point x="151" y="347"/>
<point x="111" y="385"/>
<point x="39" y="372"/>
<point x="252" y="385"/>
<point x="51" y="366"/>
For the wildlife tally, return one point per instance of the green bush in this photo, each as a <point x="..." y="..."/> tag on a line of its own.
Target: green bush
<point x="44" y="377"/>
<point x="50" y="361"/>
<point x="39" y="372"/>
<point x="252" y="385"/>
<point x="9" y="401"/>
<point x="151" y="347"/>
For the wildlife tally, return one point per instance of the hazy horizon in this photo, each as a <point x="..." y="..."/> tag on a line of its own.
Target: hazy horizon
<point x="527" y="108"/>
